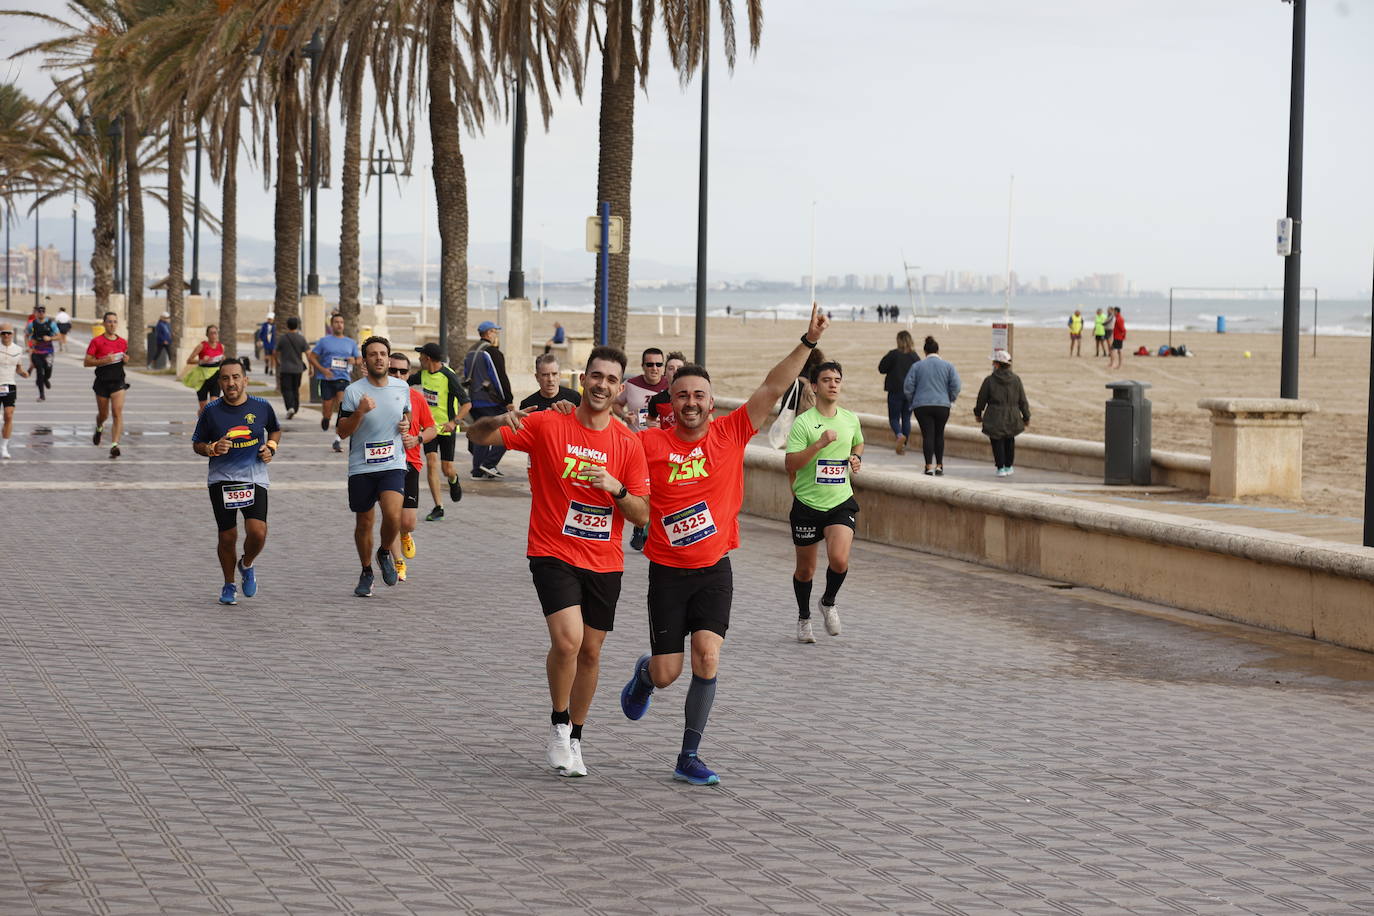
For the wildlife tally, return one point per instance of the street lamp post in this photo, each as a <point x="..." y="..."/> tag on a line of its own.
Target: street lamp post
<point x="375" y="167"/>
<point x="312" y="278"/>
<point x="37" y="257"/>
<point x="74" y="252"/>
<point x="195" y="225"/>
<point x="701" y="191"/>
<point x="517" y="183"/>
<point x="1292" y="264"/>
<point x="115" y="133"/>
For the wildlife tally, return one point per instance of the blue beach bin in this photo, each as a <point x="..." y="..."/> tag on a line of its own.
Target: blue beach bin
<point x="1221" y="324"/>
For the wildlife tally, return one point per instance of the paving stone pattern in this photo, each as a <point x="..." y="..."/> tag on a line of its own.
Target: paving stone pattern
<point x="975" y="741"/>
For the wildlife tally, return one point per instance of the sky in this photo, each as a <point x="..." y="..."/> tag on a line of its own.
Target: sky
<point x="1146" y="138"/>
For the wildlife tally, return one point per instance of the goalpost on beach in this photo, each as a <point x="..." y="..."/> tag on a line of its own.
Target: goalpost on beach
<point x="1240" y="289"/>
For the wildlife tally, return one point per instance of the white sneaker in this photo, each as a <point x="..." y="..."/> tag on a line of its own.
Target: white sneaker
<point x="5" y="452"/>
<point x="1010" y="471"/>
<point x="494" y="472"/>
<point x="831" y="613"/>
<point x="577" y="768"/>
<point x="804" y="633"/>
<point x="560" y="754"/>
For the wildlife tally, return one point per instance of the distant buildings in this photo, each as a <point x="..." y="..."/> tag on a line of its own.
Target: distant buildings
<point x="966" y="281"/>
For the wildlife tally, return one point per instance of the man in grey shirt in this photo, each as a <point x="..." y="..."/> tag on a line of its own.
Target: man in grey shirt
<point x="291" y="348"/>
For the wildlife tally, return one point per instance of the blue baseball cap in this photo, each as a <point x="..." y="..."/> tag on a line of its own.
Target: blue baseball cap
<point x="486" y="326"/>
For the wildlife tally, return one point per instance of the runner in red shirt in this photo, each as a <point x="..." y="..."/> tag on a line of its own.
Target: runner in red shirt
<point x="106" y="354"/>
<point x="584" y="465"/>
<point x="422" y="429"/>
<point x="696" y="490"/>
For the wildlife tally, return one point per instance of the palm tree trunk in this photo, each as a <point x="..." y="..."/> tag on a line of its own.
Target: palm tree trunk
<point x="102" y="251"/>
<point x="176" y="225"/>
<point x="288" y="216"/>
<point x="133" y="176"/>
<point x="229" y="239"/>
<point x="613" y="170"/>
<point x="350" y="256"/>
<point x="450" y="182"/>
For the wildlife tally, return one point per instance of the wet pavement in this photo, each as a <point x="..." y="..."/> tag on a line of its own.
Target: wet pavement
<point x="975" y="741"/>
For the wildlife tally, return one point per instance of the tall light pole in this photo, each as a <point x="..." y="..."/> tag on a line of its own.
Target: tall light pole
<point x="74" y="253"/>
<point x="700" y="354"/>
<point x="37" y="256"/>
<point x="516" y="287"/>
<point x="312" y="278"/>
<point x="1292" y="264"/>
<point x="195" y="224"/>
<point x="115" y="133"/>
<point x="375" y="167"/>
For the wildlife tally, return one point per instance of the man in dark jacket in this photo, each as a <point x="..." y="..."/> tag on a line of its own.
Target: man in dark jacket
<point x="162" y="340"/>
<point x="484" y="372"/>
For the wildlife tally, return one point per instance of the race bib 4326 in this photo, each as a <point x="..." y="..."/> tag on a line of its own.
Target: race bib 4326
<point x="590" y="522"/>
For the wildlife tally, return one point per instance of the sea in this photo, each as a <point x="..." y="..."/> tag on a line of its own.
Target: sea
<point x="1251" y="311"/>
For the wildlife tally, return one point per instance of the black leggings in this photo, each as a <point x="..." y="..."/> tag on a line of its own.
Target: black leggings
<point x="290" y="389"/>
<point x="42" y="371"/>
<point x="932" y="421"/>
<point x="1004" y="451"/>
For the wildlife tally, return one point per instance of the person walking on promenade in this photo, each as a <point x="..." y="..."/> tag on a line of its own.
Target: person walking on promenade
<point x="1076" y="333"/>
<point x="894" y="365"/>
<point x="106" y="354"/>
<point x="266" y="339"/>
<point x="206" y="357"/>
<point x="162" y="340"/>
<point x="1118" y="338"/>
<point x="291" y="349"/>
<point x="333" y="359"/>
<point x="240" y="436"/>
<point x="1099" y="334"/>
<point x="11" y="362"/>
<point x="587" y="477"/>
<point x="824" y="451"/>
<point x="484" y="373"/>
<point x="931" y="387"/>
<point x="1003" y="411"/>
<point x="64" y="327"/>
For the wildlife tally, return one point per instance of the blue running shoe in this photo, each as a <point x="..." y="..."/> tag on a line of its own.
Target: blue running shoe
<point x="388" y="565"/>
<point x="634" y="697"/>
<point x="226" y="594"/>
<point x="690" y="769"/>
<point x="250" y="580"/>
<point x="364" y="589"/>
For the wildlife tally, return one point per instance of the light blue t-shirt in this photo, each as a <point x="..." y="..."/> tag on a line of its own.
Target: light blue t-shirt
<point x="376" y="444"/>
<point x="334" y="353"/>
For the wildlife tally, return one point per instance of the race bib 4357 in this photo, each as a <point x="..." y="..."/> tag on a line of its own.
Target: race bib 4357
<point x="832" y="470"/>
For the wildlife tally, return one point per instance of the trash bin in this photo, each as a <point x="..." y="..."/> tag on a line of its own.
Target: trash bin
<point x="1127" y="435"/>
<point x="1221" y="324"/>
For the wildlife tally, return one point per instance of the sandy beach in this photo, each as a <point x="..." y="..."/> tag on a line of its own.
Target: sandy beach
<point x="1067" y="394"/>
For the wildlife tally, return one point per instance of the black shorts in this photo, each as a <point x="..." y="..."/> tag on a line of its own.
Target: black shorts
<point x="11" y="393"/>
<point x="808" y="525"/>
<point x="228" y="506"/>
<point x="1116" y="344"/>
<point x="682" y="601"/>
<point x="365" y="489"/>
<point x="561" y="585"/>
<point x="442" y="444"/>
<point x="64" y="327"/>
<point x="411" y="498"/>
<point x="210" y="389"/>
<point x="331" y="388"/>
<point x="104" y="389"/>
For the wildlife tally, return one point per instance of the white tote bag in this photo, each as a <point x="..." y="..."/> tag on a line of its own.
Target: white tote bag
<point x="782" y="426"/>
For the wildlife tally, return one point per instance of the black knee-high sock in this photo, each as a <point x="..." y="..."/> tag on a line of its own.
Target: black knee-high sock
<point x="697" y="709"/>
<point x="803" y="593"/>
<point x="833" y="581"/>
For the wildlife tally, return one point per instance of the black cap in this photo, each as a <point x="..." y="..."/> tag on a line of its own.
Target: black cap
<point x="431" y="350"/>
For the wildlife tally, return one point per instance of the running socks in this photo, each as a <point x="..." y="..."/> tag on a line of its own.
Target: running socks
<point x="803" y="593"/>
<point x="642" y="672"/>
<point x="697" y="709"/>
<point x="561" y="718"/>
<point x="576" y="732"/>
<point x="833" y="581"/>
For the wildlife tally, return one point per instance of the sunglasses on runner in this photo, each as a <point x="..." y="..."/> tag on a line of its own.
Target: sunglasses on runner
<point x="653" y="365"/>
<point x="401" y="372"/>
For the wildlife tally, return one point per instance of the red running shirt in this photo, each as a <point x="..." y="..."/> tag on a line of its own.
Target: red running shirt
<point x="421" y="417"/>
<point x="103" y="346"/>
<point x="696" y="490"/>
<point x="570" y="519"/>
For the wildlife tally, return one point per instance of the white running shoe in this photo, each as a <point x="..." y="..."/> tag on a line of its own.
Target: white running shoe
<point x="831" y="613"/>
<point x="804" y="633"/>
<point x="5" y="452"/>
<point x="560" y="753"/>
<point x="577" y="768"/>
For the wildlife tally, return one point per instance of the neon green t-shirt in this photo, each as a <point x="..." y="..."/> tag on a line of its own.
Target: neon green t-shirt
<point x="824" y="482"/>
<point x="443" y="392"/>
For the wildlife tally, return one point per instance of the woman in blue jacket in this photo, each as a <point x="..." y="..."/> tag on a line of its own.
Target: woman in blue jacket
<point x="895" y="366"/>
<point x="931" y="387"/>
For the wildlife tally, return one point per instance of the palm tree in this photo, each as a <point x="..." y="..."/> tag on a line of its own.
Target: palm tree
<point x="687" y="25"/>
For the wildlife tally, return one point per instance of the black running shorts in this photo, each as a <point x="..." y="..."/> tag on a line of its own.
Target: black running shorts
<point x="682" y="601"/>
<point x="104" y="389"/>
<point x="365" y="489"/>
<point x="229" y="499"/>
<point x="442" y="444"/>
<point x="561" y="585"/>
<point x="808" y="525"/>
<point x="411" y="496"/>
<point x="331" y="388"/>
<point x="9" y="394"/>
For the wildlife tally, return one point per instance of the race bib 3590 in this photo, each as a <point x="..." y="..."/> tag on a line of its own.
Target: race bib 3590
<point x="237" y="497"/>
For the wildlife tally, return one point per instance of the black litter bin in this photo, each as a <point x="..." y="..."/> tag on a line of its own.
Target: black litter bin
<point x="1128" y="435"/>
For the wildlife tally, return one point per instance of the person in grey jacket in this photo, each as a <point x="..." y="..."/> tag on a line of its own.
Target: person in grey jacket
<point x="931" y="387"/>
<point x="1003" y="411"/>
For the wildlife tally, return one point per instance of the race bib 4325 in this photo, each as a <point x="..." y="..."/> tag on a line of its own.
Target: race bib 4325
<point x="689" y="525"/>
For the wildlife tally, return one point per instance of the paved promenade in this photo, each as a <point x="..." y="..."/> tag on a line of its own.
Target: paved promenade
<point x="975" y="742"/>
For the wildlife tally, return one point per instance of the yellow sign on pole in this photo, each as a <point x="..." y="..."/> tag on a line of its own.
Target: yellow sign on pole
<point x="617" y="234"/>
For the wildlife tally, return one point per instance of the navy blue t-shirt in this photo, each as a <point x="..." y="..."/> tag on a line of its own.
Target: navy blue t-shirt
<point x="247" y="427"/>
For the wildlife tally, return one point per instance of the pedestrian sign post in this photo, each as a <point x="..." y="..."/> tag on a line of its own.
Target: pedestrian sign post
<point x="1001" y="335"/>
<point x="617" y="234"/>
